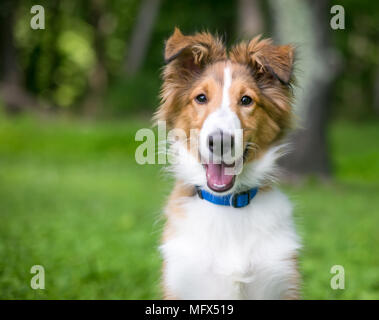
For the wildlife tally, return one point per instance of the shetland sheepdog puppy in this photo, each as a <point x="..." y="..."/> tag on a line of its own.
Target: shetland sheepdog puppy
<point x="229" y="232"/>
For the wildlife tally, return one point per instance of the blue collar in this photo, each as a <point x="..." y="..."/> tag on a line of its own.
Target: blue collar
<point x="236" y="200"/>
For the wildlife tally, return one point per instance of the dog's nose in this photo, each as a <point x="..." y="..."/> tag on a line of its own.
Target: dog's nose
<point x="220" y="143"/>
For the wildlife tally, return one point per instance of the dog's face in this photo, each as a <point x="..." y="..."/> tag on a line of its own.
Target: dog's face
<point x="232" y="107"/>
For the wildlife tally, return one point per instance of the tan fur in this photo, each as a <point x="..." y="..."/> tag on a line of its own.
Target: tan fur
<point x="173" y="207"/>
<point x="293" y="293"/>
<point x="167" y="294"/>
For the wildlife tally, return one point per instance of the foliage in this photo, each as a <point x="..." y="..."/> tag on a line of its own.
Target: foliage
<point x="358" y="49"/>
<point x="59" y="60"/>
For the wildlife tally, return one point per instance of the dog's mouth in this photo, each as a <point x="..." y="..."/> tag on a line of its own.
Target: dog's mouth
<point x="219" y="176"/>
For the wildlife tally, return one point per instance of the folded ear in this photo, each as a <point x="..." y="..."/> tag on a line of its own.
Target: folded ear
<point x="185" y="56"/>
<point x="192" y="53"/>
<point x="266" y="60"/>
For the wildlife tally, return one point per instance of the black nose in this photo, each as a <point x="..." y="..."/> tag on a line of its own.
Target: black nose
<point x="220" y="143"/>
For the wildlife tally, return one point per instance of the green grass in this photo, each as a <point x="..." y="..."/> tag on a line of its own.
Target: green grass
<point x="73" y="199"/>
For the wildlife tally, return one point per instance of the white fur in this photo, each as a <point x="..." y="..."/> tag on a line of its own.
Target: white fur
<point x="226" y="253"/>
<point x="259" y="172"/>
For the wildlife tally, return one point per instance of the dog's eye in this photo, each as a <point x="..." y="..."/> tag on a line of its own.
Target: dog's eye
<point x="201" y="98"/>
<point x="246" y="100"/>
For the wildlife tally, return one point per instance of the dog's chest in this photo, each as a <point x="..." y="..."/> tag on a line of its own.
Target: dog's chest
<point x="223" y="252"/>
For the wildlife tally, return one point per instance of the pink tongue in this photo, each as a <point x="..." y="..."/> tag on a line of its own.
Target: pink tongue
<point x="216" y="177"/>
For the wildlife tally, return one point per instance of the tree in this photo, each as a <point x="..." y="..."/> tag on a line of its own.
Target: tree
<point x="15" y="97"/>
<point x="98" y="78"/>
<point x="250" y="20"/>
<point x="306" y="24"/>
<point x="141" y="35"/>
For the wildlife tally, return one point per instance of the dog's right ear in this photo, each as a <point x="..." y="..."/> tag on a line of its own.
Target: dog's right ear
<point x="185" y="57"/>
<point x="190" y="54"/>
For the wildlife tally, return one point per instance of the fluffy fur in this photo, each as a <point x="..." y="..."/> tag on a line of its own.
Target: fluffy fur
<point x="212" y="251"/>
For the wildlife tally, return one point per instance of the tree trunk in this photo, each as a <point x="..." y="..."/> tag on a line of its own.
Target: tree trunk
<point x="141" y="36"/>
<point x="98" y="77"/>
<point x="306" y="24"/>
<point x="15" y="97"/>
<point x="250" y="20"/>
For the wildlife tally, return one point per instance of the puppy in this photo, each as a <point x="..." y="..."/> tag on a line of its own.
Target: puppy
<point x="229" y="232"/>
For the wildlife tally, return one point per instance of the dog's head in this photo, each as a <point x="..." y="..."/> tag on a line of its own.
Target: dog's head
<point x="232" y="108"/>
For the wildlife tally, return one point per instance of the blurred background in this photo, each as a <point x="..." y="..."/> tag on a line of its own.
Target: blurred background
<point x="72" y="96"/>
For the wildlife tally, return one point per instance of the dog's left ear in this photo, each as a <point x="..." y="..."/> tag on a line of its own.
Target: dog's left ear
<point x="266" y="59"/>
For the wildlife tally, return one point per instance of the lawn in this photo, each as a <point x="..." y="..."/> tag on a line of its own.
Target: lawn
<point x="73" y="200"/>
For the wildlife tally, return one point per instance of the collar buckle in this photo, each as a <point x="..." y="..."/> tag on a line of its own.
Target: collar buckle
<point x="198" y="191"/>
<point x="242" y="194"/>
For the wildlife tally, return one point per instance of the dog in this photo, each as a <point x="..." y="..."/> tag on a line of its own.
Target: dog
<point x="228" y="235"/>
